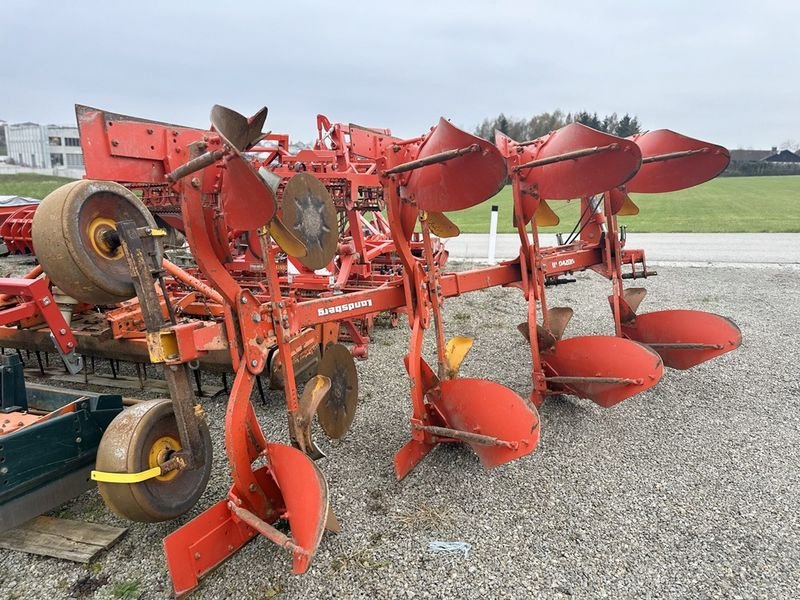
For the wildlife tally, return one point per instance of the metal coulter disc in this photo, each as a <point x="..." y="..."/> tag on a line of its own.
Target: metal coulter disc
<point x="337" y="409"/>
<point x="309" y="213"/>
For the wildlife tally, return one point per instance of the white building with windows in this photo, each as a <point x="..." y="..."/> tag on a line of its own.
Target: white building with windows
<point x="44" y="146"/>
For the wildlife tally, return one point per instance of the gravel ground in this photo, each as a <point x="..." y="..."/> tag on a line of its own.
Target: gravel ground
<point x="688" y="490"/>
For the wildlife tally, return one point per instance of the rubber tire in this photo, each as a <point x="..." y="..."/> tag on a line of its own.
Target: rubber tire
<point x="124" y="448"/>
<point x="66" y="255"/>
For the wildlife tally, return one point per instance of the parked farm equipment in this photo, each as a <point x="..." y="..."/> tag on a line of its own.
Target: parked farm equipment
<point x="260" y="222"/>
<point x="48" y="442"/>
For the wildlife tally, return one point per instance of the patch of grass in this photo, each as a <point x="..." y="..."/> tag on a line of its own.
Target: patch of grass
<point x="427" y="517"/>
<point x="31" y="185"/>
<point x="725" y="205"/>
<point x="126" y="590"/>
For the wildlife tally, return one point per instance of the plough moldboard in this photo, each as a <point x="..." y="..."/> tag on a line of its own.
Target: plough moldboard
<point x="295" y="253"/>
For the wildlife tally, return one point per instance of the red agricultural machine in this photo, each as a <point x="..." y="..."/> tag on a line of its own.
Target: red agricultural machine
<point x="294" y="253"/>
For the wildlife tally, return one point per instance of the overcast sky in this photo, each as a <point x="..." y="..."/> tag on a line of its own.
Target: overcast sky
<point x="726" y="71"/>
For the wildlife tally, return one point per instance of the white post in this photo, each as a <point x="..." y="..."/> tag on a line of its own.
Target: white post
<point x="493" y="234"/>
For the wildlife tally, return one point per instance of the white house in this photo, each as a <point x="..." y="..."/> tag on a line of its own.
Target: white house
<point x="44" y="146"/>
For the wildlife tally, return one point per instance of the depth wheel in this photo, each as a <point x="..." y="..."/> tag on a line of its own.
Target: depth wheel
<point x="338" y="407"/>
<point x="71" y="239"/>
<point x="140" y="438"/>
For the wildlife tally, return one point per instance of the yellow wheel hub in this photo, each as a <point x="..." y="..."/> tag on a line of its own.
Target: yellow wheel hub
<point x="97" y="230"/>
<point x="160" y="452"/>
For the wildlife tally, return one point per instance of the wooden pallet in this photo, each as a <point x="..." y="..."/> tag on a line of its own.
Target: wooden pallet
<point x="61" y="538"/>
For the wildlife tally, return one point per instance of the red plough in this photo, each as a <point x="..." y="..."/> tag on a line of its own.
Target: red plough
<point x="261" y="225"/>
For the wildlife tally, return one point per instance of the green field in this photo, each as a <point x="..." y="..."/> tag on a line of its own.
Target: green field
<point x="727" y="204"/>
<point x="30" y="185"/>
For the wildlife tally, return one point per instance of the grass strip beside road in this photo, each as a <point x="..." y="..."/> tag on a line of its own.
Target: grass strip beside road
<point x="30" y="185"/>
<point x="725" y="205"/>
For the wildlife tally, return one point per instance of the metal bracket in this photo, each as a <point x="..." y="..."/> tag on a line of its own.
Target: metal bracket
<point x="72" y="360"/>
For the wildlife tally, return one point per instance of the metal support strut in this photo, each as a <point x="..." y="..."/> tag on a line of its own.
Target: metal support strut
<point x="145" y="272"/>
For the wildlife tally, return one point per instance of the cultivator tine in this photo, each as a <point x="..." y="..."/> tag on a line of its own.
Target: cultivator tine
<point x="604" y="369"/>
<point x="441" y="226"/>
<point x="259" y="386"/>
<point x="225" y="384"/>
<point x="455" y="352"/>
<point x="300" y="422"/>
<point x="297" y="491"/>
<point x="198" y="380"/>
<point x="671" y="161"/>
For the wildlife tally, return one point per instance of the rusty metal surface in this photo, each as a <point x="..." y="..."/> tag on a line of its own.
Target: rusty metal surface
<point x="144" y="260"/>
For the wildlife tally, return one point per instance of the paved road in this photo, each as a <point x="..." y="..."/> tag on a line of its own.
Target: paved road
<point x="703" y="248"/>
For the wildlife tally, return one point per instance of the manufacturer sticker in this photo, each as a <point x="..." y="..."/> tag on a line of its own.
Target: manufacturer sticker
<point x="342" y="308"/>
<point x="564" y="262"/>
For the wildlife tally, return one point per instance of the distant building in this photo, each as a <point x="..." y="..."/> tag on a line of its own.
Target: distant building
<point x="770" y="156"/>
<point x="44" y="146"/>
<point x="784" y="156"/>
